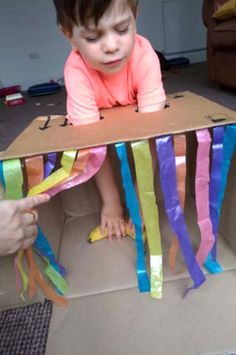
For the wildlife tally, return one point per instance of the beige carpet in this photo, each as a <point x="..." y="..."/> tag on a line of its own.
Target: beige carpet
<point x="129" y="323"/>
<point x="110" y="266"/>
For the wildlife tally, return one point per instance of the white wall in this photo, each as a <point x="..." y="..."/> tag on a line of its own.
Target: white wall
<point x="32" y="49"/>
<point x="150" y="22"/>
<point x="184" y="32"/>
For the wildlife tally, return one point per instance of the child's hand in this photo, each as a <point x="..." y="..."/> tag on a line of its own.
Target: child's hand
<point x="112" y="219"/>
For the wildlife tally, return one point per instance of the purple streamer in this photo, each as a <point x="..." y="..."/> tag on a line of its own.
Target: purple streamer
<point x="50" y="164"/>
<point x="165" y="154"/>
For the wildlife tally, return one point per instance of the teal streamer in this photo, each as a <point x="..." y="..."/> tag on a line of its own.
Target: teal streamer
<point x="211" y="264"/>
<point x="42" y="246"/>
<point x="229" y="149"/>
<point x="133" y="207"/>
<point x="2" y="180"/>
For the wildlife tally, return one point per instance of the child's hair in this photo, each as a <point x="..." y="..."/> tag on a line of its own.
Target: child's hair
<point x="73" y="12"/>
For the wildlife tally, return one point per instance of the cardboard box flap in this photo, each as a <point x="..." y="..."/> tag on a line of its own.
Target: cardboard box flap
<point x="186" y="112"/>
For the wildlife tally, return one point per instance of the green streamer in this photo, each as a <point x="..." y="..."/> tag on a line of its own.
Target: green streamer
<point x="57" y="279"/>
<point x="13" y="177"/>
<point x="14" y="180"/>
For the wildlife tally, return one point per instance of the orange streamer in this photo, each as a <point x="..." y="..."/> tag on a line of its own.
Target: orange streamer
<point x="35" y="276"/>
<point x="81" y="162"/>
<point x="35" y="170"/>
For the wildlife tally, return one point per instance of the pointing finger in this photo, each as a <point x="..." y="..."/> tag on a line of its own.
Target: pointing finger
<point x="32" y="201"/>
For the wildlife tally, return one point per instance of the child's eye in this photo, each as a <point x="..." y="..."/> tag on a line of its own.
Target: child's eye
<point x="91" y="39"/>
<point x="122" y="30"/>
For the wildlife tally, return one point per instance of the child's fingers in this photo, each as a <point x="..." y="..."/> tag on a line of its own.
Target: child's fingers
<point x="110" y="229"/>
<point x="120" y="228"/>
<point x="103" y="225"/>
<point x="123" y="228"/>
<point x="117" y="229"/>
<point x="106" y="227"/>
<point x="113" y="226"/>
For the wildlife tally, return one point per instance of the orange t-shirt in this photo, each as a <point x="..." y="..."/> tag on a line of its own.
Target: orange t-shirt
<point x="89" y="90"/>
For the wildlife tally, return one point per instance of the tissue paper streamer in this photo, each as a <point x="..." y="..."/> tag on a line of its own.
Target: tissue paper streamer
<point x="144" y="175"/>
<point x="166" y="158"/>
<point x="214" y="189"/>
<point x="35" y="170"/>
<point x="58" y="176"/>
<point x="87" y="164"/>
<point x="133" y="207"/>
<point x="49" y="164"/>
<point x="12" y="169"/>
<point x="202" y="195"/>
<point x="180" y="162"/>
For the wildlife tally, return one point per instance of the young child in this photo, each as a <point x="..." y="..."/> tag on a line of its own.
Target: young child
<point x="109" y="65"/>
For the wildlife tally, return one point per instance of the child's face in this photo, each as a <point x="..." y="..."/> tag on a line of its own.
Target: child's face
<point x="108" y="46"/>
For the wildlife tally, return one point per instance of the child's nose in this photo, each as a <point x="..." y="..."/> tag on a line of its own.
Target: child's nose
<point x="110" y="44"/>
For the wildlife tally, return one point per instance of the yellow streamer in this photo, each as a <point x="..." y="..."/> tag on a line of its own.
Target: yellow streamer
<point x="144" y="174"/>
<point x="58" y="176"/>
<point x="24" y="277"/>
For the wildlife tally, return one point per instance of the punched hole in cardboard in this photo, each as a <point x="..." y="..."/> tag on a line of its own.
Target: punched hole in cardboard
<point x="219" y="117"/>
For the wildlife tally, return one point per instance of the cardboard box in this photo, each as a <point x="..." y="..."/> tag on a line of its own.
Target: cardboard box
<point x="72" y="214"/>
<point x="187" y="112"/>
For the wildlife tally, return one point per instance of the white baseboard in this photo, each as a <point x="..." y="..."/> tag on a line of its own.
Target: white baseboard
<point x="196" y="56"/>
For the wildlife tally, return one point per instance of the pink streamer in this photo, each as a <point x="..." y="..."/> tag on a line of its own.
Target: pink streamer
<point x="202" y="196"/>
<point x="95" y="161"/>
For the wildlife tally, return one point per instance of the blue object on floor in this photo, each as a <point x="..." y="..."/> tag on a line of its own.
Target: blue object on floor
<point x="44" y="89"/>
<point x="180" y="62"/>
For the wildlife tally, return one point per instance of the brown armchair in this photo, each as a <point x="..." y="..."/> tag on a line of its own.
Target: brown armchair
<point x="221" y="45"/>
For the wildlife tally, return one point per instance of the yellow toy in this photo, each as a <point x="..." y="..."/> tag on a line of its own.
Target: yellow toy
<point x="96" y="234"/>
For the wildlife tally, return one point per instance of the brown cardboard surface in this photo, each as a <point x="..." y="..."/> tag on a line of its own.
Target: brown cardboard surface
<point x="187" y="112"/>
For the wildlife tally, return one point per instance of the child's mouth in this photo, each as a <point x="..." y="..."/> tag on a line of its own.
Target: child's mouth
<point x="113" y="63"/>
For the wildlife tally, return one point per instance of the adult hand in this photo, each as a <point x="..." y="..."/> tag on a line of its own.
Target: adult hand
<point x="18" y="219"/>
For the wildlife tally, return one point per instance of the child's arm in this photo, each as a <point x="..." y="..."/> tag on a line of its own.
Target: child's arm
<point x="152" y="108"/>
<point x="112" y="212"/>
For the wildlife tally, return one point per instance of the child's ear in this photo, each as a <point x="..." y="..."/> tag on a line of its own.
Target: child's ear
<point x="65" y="32"/>
<point x="136" y="12"/>
<point x="69" y="36"/>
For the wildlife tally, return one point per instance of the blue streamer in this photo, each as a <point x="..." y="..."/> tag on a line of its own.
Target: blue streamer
<point x="165" y="154"/>
<point x="229" y="149"/>
<point x="214" y="190"/>
<point x="42" y="246"/>
<point x="2" y="181"/>
<point x="133" y="206"/>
